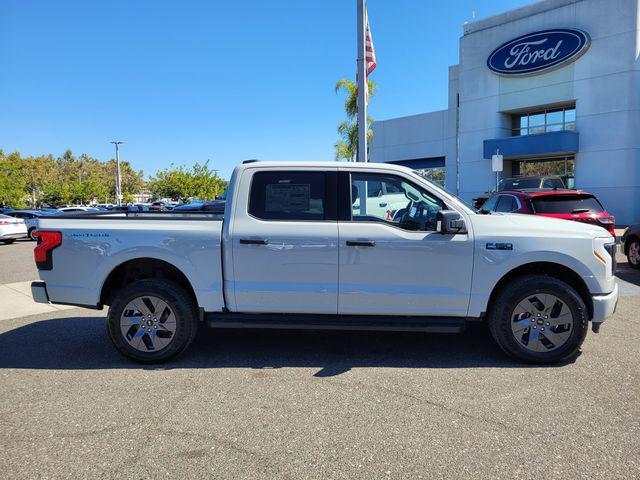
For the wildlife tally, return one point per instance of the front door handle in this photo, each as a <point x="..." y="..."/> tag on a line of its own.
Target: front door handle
<point x="361" y="243"/>
<point x="253" y="241"/>
<point x="383" y="204"/>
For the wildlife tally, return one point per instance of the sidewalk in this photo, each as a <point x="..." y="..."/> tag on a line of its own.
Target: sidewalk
<point x="16" y="302"/>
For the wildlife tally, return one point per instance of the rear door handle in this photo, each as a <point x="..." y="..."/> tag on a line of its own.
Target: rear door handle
<point x="253" y="241"/>
<point x="361" y="243"/>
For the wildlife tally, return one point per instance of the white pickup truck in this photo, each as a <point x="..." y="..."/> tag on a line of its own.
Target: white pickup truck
<point x="293" y="252"/>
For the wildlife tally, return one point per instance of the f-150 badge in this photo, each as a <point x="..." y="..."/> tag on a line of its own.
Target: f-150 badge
<point x="499" y="246"/>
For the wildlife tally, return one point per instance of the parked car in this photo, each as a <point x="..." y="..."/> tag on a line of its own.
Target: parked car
<point x="79" y="209"/>
<point x="31" y="218"/>
<point x="573" y="205"/>
<point x="129" y="208"/>
<point x="5" y="210"/>
<point x="521" y="183"/>
<point x="11" y="229"/>
<point x="161" y="207"/>
<point x="291" y="253"/>
<point x="213" y="206"/>
<point x="630" y="242"/>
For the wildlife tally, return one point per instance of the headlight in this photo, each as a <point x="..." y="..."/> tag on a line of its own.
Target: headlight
<point x="605" y="251"/>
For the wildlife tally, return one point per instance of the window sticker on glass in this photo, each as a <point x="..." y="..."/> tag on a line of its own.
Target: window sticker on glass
<point x="288" y="197"/>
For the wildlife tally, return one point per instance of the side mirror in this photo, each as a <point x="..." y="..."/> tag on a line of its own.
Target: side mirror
<point x="450" y="222"/>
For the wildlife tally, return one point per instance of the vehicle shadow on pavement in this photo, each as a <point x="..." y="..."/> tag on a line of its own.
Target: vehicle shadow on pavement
<point x="628" y="274"/>
<point x="82" y="343"/>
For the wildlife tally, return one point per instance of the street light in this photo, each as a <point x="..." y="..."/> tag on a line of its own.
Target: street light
<point x="118" y="186"/>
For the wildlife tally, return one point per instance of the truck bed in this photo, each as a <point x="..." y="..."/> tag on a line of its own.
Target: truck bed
<point x="93" y="245"/>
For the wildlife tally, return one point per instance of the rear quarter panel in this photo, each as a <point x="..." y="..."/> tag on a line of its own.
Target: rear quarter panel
<point x="92" y="248"/>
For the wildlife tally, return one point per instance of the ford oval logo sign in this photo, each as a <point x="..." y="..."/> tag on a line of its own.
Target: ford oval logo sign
<point x="539" y="51"/>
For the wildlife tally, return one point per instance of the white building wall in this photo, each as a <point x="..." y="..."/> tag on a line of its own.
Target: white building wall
<point x="412" y="137"/>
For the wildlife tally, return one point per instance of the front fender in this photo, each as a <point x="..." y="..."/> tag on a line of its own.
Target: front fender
<point x="490" y="266"/>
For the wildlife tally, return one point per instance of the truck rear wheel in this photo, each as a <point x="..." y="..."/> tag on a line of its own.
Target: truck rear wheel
<point x="152" y="320"/>
<point x="538" y="319"/>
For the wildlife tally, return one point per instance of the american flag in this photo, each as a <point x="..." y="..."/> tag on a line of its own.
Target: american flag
<point x="370" y="56"/>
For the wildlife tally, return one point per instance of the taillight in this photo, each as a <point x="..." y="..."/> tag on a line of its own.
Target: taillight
<point x="609" y="223"/>
<point x="47" y="242"/>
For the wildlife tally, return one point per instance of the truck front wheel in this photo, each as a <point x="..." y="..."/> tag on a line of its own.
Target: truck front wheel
<point x="152" y="320"/>
<point x="538" y="319"/>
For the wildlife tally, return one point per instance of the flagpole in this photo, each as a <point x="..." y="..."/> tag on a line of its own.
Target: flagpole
<point x="362" y="86"/>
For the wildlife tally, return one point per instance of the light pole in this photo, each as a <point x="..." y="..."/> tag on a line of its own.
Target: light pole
<point x="118" y="186"/>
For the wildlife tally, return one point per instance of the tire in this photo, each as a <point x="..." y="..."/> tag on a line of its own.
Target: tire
<point x="31" y="233"/>
<point x="633" y="252"/>
<point x="129" y="337"/>
<point x="8" y="242"/>
<point x="559" y="299"/>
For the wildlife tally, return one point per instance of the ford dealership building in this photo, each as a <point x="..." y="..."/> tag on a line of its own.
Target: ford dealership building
<point x="554" y="87"/>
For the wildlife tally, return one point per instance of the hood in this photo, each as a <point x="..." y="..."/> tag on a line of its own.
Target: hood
<point x="516" y="224"/>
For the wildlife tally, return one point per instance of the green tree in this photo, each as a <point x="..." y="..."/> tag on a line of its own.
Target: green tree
<point x="347" y="147"/>
<point x="12" y="182"/>
<point x="39" y="173"/>
<point x="182" y="183"/>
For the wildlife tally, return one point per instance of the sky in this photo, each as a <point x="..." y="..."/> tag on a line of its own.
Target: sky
<point x="186" y="81"/>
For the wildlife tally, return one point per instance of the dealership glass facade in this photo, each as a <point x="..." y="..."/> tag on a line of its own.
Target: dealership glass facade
<point x="554" y="87"/>
<point x="552" y="120"/>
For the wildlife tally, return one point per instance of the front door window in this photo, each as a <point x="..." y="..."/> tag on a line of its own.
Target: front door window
<point x="397" y="202"/>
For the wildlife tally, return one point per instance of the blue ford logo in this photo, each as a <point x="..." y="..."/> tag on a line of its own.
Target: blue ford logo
<point x="539" y="51"/>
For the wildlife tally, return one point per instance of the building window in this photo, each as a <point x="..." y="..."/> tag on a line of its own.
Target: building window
<point x="552" y="120"/>
<point x="434" y="174"/>
<point x="563" y="167"/>
<point x="433" y="168"/>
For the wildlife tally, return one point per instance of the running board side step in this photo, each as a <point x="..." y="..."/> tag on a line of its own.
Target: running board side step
<point x="336" y="322"/>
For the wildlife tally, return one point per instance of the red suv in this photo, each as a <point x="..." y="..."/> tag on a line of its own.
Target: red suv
<point x="573" y="205"/>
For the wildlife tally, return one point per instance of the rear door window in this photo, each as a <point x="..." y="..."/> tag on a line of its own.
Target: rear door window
<point x="552" y="183"/>
<point x="286" y="195"/>
<point x="374" y="189"/>
<point x="566" y="204"/>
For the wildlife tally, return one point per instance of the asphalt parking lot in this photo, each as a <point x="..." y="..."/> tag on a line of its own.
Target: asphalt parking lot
<point x="304" y="405"/>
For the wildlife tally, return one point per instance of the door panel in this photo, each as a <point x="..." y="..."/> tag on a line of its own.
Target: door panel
<point x="280" y="264"/>
<point x="405" y="273"/>
<point x="396" y="263"/>
<point x="295" y="272"/>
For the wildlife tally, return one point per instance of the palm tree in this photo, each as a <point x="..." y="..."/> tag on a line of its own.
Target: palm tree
<point x="347" y="146"/>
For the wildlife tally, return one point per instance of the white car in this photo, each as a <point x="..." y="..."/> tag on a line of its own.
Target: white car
<point x="291" y="252"/>
<point x="383" y="198"/>
<point x="11" y="229"/>
<point x="79" y="209"/>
